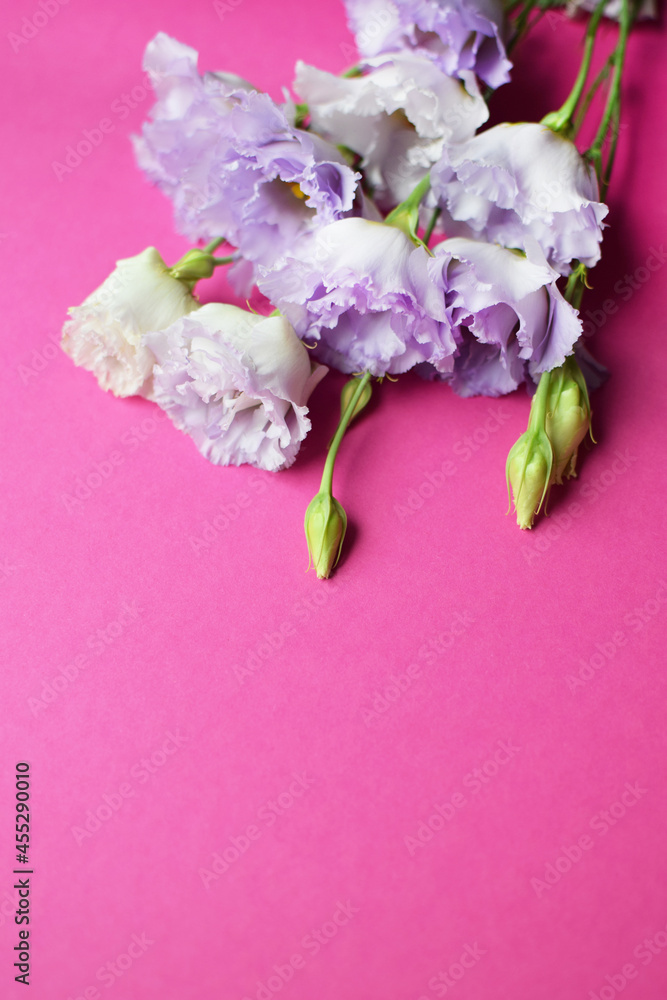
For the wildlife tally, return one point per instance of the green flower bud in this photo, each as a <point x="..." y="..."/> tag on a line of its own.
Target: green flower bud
<point x="192" y="266"/>
<point x="529" y="467"/>
<point x="325" y="524"/>
<point x="568" y="418"/>
<point x="348" y="391"/>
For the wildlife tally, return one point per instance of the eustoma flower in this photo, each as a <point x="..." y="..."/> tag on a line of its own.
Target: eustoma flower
<point x="104" y="334"/>
<point x="355" y="287"/>
<point x="508" y="317"/>
<point x="232" y="163"/>
<point x="364" y="296"/>
<point x="237" y="383"/>
<point x="458" y="35"/>
<point x="514" y="183"/>
<point x="398" y="116"/>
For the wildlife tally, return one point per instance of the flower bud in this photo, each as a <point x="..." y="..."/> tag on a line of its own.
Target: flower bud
<point x="348" y="391"/>
<point x="192" y="266"/>
<point x="568" y="418"/>
<point x="529" y="467"/>
<point x="325" y="524"/>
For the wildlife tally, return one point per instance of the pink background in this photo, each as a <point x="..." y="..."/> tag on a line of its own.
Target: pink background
<point x="367" y="703"/>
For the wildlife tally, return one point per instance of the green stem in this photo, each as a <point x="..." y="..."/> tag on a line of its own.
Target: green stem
<point x="431" y="225"/>
<point x="510" y="7"/>
<point x="412" y="201"/>
<point x="609" y="166"/>
<point x="573" y="294"/>
<point x="327" y="473"/>
<point x="538" y="409"/>
<point x="406" y="215"/>
<point x="536" y="432"/>
<point x="613" y="106"/>
<point x="219" y="261"/>
<point x="576" y="283"/>
<point x="521" y="26"/>
<point x="213" y="245"/>
<point x="590" y="94"/>
<point x="561" y="121"/>
<point x="522" y="21"/>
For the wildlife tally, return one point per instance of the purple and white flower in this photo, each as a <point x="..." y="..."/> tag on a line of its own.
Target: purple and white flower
<point x="515" y="183"/>
<point x="104" y="334"/>
<point x="364" y="295"/>
<point x="232" y="163"/>
<point x="509" y="319"/>
<point x="458" y="35"/>
<point x="398" y="116"/>
<point x="237" y="383"/>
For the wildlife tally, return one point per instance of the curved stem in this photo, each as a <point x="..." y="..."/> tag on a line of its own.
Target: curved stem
<point x="431" y="225"/>
<point x="327" y="473"/>
<point x="591" y="92"/>
<point x="213" y="245"/>
<point x="561" y="121"/>
<point x="609" y="166"/>
<point x="522" y="25"/>
<point x="613" y="106"/>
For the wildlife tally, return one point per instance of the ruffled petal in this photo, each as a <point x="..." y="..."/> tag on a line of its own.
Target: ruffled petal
<point x="458" y="35"/>
<point x="515" y="183"/>
<point x="364" y="296"/>
<point x="104" y="334"/>
<point x="231" y="161"/>
<point x="237" y="383"/>
<point x="398" y="116"/>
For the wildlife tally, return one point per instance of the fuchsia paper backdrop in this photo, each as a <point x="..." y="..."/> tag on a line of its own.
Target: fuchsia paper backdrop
<point x="444" y="645"/>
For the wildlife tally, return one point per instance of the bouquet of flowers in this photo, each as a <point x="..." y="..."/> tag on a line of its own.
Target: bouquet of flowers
<point x="388" y="229"/>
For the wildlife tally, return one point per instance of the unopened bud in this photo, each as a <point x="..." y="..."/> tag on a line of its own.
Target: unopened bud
<point x="568" y="418"/>
<point x="348" y="391"/>
<point x="192" y="266"/>
<point x="325" y="525"/>
<point x="529" y="466"/>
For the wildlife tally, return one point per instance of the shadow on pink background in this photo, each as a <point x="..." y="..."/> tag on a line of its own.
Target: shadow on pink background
<point x="441" y="772"/>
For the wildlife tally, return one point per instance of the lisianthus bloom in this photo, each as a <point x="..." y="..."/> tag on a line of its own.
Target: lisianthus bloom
<point x="104" y="334"/>
<point x="458" y="35"/>
<point x="508" y="317"/>
<point x="398" y="116"/>
<point x="515" y="183"/>
<point x="232" y="163"/>
<point x="237" y="383"/>
<point x="364" y="296"/>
